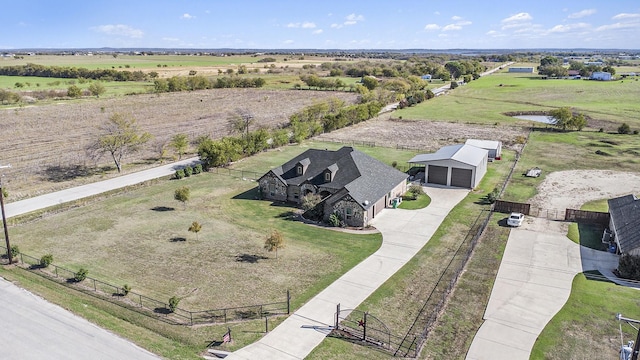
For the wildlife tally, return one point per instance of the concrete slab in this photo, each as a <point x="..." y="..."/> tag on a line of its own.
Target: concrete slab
<point x="532" y="285"/>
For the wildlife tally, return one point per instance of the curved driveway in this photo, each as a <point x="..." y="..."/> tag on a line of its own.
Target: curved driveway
<point x="533" y="284"/>
<point x="404" y="233"/>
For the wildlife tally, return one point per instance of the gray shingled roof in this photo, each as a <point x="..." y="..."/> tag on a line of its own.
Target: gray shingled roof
<point x="363" y="177"/>
<point x="625" y="215"/>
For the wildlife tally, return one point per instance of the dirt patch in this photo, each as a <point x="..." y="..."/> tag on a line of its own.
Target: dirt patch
<point x="422" y="134"/>
<point x="573" y="188"/>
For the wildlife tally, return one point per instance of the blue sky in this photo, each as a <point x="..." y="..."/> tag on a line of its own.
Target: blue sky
<point x="323" y="24"/>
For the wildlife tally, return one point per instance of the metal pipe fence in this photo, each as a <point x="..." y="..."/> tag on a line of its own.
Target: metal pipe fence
<point x="145" y="303"/>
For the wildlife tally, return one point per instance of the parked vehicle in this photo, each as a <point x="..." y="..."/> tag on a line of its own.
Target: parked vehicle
<point x="515" y="219"/>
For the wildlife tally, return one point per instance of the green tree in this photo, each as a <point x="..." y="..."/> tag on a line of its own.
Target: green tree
<point x="624" y="129"/>
<point x="274" y="242"/>
<point x="96" y="89"/>
<point x="610" y="69"/>
<point x="182" y="194"/>
<point x="173" y="303"/>
<point x="46" y="260"/>
<point x="370" y="82"/>
<point x="219" y="153"/>
<point x="561" y="117"/>
<point x="195" y="228"/>
<point x="180" y="143"/>
<point x="74" y="91"/>
<point x="119" y="137"/>
<point x="81" y="275"/>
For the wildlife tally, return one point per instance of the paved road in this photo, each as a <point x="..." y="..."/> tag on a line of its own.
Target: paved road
<point x="79" y="192"/>
<point x="404" y="233"/>
<point x="36" y="329"/>
<point x="532" y="285"/>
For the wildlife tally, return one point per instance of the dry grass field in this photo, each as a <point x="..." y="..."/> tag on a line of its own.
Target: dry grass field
<point x="46" y="144"/>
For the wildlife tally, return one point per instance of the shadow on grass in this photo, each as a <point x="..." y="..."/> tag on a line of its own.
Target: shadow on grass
<point x="591" y="236"/>
<point x="248" y="258"/>
<point x="162" y="208"/>
<point x="178" y="239"/>
<point x="503" y="223"/>
<point x="162" y="311"/>
<point x="251" y="194"/>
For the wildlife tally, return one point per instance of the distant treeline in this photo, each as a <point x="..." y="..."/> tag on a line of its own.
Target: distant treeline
<point x="190" y="83"/>
<point x="72" y="73"/>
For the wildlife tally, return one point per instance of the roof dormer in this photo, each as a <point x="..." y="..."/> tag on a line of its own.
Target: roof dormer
<point x="330" y="173"/>
<point x="302" y="165"/>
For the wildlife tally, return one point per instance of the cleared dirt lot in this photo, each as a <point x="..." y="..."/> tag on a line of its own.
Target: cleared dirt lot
<point x="46" y="144"/>
<point x="427" y="135"/>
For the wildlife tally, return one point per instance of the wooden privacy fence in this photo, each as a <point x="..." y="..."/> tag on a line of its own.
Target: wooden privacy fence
<point x="587" y="216"/>
<point x="509" y="207"/>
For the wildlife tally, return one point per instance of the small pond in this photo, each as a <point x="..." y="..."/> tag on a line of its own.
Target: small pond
<point x="538" y="118"/>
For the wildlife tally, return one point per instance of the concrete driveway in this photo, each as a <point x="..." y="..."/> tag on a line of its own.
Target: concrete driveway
<point x="404" y="233"/>
<point x="532" y="285"/>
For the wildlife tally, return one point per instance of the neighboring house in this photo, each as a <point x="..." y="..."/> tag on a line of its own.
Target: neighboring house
<point x="351" y="183"/>
<point x="528" y="70"/>
<point x="624" y="223"/>
<point x="494" y="147"/>
<point x="454" y="165"/>
<point x="426" y="77"/>
<point x="601" y="75"/>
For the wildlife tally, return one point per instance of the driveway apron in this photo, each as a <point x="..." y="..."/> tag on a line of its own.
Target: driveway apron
<point x="533" y="284"/>
<point x="404" y="233"/>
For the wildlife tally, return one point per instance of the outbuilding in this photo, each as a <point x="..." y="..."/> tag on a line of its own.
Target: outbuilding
<point x="494" y="147"/>
<point x="601" y="75"/>
<point x="454" y="165"/>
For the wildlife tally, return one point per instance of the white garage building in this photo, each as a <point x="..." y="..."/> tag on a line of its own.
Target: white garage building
<point x="454" y="165"/>
<point x="494" y="147"/>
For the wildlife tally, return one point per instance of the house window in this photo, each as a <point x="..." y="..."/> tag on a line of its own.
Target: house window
<point x="299" y="170"/>
<point x="272" y="189"/>
<point x="327" y="176"/>
<point x="296" y="194"/>
<point x="348" y="212"/>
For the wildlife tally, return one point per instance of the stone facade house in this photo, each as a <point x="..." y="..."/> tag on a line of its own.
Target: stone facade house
<point x="624" y="223"/>
<point x="351" y="184"/>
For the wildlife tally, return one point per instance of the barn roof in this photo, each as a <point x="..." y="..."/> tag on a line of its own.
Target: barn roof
<point x="466" y="154"/>
<point x="625" y="216"/>
<point x="484" y="144"/>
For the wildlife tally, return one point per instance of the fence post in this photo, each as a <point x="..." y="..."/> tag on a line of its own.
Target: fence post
<point x="288" y="302"/>
<point x="337" y="316"/>
<point x="94" y="285"/>
<point x="225" y="315"/>
<point x="191" y="317"/>
<point x="140" y="300"/>
<point x="364" y="326"/>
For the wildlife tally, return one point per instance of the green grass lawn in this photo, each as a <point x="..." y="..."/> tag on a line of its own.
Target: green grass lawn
<point x="422" y="201"/>
<point x="586" y="324"/>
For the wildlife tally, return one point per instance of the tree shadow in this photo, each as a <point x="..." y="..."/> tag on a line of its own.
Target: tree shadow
<point x="162" y="311"/>
<point x="60" y="173"/>
<point x="178" y="239"/>
<point x="248" y="258"/>
<point x="162" y="208"/>
<point x="288" y="215"/>
<point x="503" y="223"/>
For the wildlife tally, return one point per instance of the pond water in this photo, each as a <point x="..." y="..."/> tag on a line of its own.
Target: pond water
<point x="538" y="118"/>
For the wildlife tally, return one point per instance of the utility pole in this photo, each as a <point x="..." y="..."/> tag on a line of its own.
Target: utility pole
<point x="636" y="345"/>
<point x="4" y="218"/>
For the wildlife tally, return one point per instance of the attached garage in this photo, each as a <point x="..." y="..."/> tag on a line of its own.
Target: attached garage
<point x="437" y="174"/>
<point x="454" y="165"/>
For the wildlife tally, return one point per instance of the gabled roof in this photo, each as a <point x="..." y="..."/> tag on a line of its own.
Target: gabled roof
<point x="484" y="144"/>
<point x="466" y="154"/>
<point x="625" y="216"/>
<point x="359" y="175"/>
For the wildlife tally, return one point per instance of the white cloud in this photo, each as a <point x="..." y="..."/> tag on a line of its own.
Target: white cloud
<point x="452" y="27"/>
<point x="436" y="13"/>
<point x="187" y="16"/>
<point x="618" y="26"/>
<point x="581" y="14"/>
<point x="336" y="26"/>
<point x="520" y="17"/>
<point x="353" y="19"/>
<point x="456" y="18"/>
<point x="316" y="32"/>
<point x="568" y="28"/>
<point x="431" y="27"/>
<point x="626" y="16"/>
<point x="119" y="30"/>
<point x="287" y="42"/>
<point x="308" y="25"/>
<point x="293" y="25"/>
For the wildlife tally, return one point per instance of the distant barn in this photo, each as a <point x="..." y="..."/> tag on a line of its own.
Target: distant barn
<point x="601" y="75"/>
<point x="528" y="70"/>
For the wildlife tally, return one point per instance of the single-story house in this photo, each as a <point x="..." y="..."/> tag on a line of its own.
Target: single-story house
<point x="601" y="75"/>
<point x="454" y="165"/>
<point x="624" y="223"/>
<point x="514" y="69"/>
<point x="350" y="183"/>
<point x="494" y="147"/>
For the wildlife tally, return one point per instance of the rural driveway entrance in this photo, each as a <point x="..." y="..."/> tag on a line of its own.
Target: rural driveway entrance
<point x="533" y="283"/>
<point x="404" y="233"/>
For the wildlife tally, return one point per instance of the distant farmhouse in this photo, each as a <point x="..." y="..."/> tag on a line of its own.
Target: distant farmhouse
<point x="528" y="70"/>
<point x="351" y="184"/>
<point x="601" y="75"/>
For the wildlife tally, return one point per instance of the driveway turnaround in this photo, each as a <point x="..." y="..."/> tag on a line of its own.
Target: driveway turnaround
<point x="404" y="233"/>
<point x="83" y="191"/>
<point x="533" y="283"/>
<point x="36" y="329"/>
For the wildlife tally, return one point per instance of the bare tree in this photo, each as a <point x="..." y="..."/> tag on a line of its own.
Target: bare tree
<point x="119" y="137"/>
<point x="240" y="121"/>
